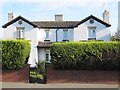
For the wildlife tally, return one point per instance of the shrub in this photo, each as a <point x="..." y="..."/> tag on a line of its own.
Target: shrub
<point x="38" y="73"/>
<point x="86" y="55"/>
<point x="14" y="53"/>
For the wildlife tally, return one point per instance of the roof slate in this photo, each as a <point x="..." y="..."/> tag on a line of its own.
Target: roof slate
<point x="56" y="24"/>
<point x="66" y="24"/>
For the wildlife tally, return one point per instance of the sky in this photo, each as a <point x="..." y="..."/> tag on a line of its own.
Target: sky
<point x="42" y="10"/>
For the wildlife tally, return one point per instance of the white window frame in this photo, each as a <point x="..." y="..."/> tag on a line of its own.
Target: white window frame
<point x="65" y="34"/>
<point x="92" y="32"/>
<point x="20" y="32"/>
<point x="47" y="56"/>
<point x="47" y="34"/>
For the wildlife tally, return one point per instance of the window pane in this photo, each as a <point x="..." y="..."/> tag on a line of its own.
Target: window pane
<point x="65" y="35"/>
<point x="20" y="32"/>
<point x="47" y="57"/>
<point x="91" y="33"/>
<point x="47" y="35"/>
<point x="91" y="21"/>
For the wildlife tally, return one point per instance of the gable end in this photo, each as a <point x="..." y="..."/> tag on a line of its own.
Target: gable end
<point x="16" y="19"/>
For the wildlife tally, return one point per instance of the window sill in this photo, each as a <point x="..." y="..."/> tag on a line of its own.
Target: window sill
<point x="91" y="38"/>
<point x="65" y="40"/>
<point x="20" y="38"/>
<point x="46" y="40"/>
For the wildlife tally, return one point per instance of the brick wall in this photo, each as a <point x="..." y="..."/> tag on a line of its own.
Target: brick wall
<point x="81" y="76"/>
<point x="21" y="75"/>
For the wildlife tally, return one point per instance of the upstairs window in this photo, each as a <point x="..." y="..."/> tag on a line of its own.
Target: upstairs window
<point x="20" y="32"/>
<point x="47" y="34"/>
<point x="65" y="34"/>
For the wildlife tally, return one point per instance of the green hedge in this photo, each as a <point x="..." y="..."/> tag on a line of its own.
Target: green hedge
<point x="14" y="53"/>
<point x="86" y="55"/>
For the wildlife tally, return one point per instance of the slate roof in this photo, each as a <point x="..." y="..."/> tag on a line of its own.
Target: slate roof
<point x="56" y="24"/>
<point x="44" y="44"/>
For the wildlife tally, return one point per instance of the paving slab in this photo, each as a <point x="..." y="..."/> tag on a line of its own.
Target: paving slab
<point x="57" y="85"/>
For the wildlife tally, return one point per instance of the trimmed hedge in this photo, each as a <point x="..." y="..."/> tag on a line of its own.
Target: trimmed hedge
<point x="86" y="55"/>
<point x="14" y="53"/>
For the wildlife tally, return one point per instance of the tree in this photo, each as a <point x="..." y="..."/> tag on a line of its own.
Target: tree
<point x="117" y="35"/>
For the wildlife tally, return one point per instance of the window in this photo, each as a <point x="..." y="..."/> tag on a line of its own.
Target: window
<point x="20" y="32"/>
<point x="91" y="21"/>
<point x="47" y="34"/>
<point x="20" y="22"/>
<point x="91" y="33"/>
<point x="65" y="32"/>
<point x="47" y="55"/>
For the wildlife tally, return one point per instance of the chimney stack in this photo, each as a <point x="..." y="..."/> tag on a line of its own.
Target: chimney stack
<point x="59" y="17"/>
<point x="106" y="16"/>
<point x="10" y="16"/>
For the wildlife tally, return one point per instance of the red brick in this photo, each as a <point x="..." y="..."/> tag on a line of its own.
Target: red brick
<point x="21" y="75"/>
<point x="81" y="76"/>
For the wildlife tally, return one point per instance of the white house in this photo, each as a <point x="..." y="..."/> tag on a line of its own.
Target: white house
<point x="43" y="33"/>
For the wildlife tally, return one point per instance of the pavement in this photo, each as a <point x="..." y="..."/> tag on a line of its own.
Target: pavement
<point x="57" y="85"/>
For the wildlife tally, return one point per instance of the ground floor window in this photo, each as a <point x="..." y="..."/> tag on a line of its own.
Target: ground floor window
<point x="47" y="55"/>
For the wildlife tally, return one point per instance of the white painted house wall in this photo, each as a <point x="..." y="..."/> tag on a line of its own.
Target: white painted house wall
<point x="42" y="54"/>
<point x="80" y="33"/>
<point x="102" y="32"/>
<point x="52" y="35"/>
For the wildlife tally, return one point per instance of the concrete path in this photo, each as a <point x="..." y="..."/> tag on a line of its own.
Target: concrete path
<point x="61" y="85"/>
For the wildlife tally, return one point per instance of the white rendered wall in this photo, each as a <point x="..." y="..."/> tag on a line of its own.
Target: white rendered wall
<point x="102" y="32"/>
<point x="42" y="54"/>
<point x="52" y="35"/>
<point x="80" y="33"/>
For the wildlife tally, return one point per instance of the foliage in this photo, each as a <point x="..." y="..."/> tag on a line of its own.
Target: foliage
<point x="117" y="35"/>
<point x="114" y="38"/>
<point x="41" y="66"/>
<point x="14" y="53"/>
<point x="38" y="74"/>
<point x="92" y="55"/>
<point x="33" y="74"/>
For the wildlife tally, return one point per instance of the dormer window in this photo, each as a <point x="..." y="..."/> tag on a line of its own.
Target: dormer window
<point x="91" y="21"/>
<point x="20" y="32"/>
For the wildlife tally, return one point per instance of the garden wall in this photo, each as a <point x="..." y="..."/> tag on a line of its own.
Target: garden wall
<point x="81" y="76"/>
<point x="21" y="75"/>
